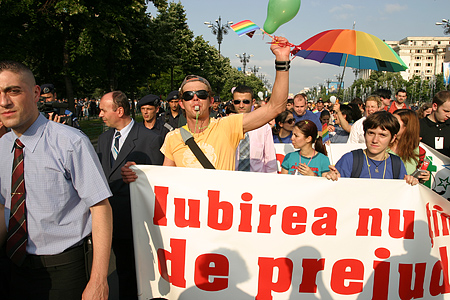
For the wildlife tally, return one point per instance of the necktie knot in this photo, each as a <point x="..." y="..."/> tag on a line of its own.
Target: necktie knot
<point x="18" y="144"/>
<point x="117" y="135"/>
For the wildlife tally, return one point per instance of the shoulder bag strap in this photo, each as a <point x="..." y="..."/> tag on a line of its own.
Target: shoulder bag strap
<point x="189" y="140"/>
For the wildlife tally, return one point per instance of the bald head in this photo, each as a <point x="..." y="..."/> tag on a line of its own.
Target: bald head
<point x="119" y="100"/>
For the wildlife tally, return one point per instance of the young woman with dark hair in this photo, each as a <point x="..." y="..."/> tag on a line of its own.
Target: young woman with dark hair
<point x="282" y="131"/>
<point x="307" y="161"/>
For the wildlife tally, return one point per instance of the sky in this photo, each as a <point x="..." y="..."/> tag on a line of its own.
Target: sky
<point x="388" y="20"/>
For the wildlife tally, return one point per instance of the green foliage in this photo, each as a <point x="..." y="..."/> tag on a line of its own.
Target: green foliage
<point x="90" y="47"/>
<point x="418" y="89"/>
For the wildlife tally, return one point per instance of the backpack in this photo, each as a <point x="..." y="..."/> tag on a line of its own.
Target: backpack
<point x="358" y="162"/>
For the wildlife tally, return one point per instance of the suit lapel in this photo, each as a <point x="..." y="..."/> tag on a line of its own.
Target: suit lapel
<point x="106" y="161"/>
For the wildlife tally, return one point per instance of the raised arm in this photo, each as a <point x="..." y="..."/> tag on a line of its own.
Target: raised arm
<point x="342" y="121"/>
<point x="277" y="104"/>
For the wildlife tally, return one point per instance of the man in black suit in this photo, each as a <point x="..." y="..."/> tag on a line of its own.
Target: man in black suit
<point x="125" y="141"/>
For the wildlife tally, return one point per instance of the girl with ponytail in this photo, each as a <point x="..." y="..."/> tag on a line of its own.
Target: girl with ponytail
<point x="309" y="160"/>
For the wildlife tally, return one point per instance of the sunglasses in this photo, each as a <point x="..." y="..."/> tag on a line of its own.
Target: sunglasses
<point x="290" y="121"/>
<point x="189" y="95"/>
<point x="239" y="101"/>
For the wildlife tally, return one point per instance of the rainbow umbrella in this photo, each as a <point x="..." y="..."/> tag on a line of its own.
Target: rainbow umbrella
<point x="351" y="48"/>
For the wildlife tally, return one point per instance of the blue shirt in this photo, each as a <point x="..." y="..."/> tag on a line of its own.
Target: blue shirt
<point x="279" y="140"/>
<point x="340" y="136"/>
<point x="309" y="115"/>
<point x="63" y="179"/>
<point x="345" y="166"/>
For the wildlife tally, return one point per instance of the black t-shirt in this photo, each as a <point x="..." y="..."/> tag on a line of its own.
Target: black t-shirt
<point x="429" y="130"/>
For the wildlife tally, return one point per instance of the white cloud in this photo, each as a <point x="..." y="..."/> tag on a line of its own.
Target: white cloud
<point x="394" y="8"/>
<point x="342" y="8"/>
<point x="343" y="11"/>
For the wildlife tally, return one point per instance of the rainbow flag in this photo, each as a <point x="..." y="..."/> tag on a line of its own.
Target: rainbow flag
<point x="245" y="27"/>
<point x="325" y="135"/>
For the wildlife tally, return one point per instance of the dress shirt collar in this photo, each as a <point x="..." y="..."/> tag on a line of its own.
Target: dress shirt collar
<point x="33" y="134"/>
<point x="124" y="132"/>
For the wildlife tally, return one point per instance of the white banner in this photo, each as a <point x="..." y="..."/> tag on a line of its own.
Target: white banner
<point x="439" y="164"/>
<point x="209" y="234"/>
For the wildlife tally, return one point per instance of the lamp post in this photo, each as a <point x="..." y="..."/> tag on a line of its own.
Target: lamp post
<point x="340" y="79"/>
<point x="245" y="58"/>
<point x="255" y="69"/>
<point x="446" y="24"/>
<point x="219" y="29"/>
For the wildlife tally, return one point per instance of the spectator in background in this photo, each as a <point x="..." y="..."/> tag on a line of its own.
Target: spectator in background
<point x="319" y="107"/>
<point x="259" y="141"/>
<point x="325" y="117"/>
<point x="424" y="110"/>
<point x="230" y="110"/>
<point x="373" y="104"/>
<point x="356" y="112"/>
<point x="290" y="104"/>
<point x="284" y="124"/>
<point x="174" y="116"/>
<point x="149" y="106"/>
<point x="435" y="128"/>
<point x="399" y="103"/>
<point x="301" y="113"/>
<point x="359" y="103"/>
<point x="307" y="161"/>
<point x="92" y="108"/>
<point x="342" y="118"/>
<point x="385" y="96"/>
<point x="214" y="113"/>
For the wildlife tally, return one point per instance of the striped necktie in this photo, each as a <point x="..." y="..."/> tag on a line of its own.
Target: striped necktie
<point x="115" y="151"/>
<point x="244" y="154"/>
<point x="16" y="242"/>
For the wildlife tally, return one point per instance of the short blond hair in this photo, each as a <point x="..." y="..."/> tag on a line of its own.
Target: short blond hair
<point x="375" y="98"/>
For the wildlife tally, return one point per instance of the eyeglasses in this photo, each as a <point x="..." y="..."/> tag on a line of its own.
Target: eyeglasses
<point x="189" y="95"/>
<point x="290" y="121"/>
<point x="239" y="101"/>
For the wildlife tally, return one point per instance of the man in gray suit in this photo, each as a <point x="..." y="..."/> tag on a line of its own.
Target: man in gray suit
<point x="125" y="141"/>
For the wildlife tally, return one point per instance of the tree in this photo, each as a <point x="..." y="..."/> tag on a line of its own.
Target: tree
<point x="102" y="45"/>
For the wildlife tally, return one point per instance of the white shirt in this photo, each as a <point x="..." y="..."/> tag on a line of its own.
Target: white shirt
<point x="357" y="132"/>
<point x="123" y="135"/>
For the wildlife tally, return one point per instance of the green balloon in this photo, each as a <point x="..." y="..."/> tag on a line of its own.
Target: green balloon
<point x="280" y="12"/>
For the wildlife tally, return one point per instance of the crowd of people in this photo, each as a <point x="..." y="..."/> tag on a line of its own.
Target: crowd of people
<point x="62" y="201"/>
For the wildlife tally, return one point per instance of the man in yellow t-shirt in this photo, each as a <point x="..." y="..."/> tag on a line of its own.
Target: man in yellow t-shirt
<point x="218" y="139"/>
<point x="218" y="142"/>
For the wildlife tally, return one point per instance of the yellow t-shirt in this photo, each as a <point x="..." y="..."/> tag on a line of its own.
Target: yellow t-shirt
<point x="219" y="142"/>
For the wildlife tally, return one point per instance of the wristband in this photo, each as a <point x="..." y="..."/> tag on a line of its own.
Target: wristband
<point x="282" y="65"/>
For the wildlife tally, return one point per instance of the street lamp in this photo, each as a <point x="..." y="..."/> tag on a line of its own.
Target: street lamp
<point x="245" y="58"/>
<point x="255" y="69"/>
<point x="446" y="24"/>
<point x="219" y="29"/>
<point x="340" y="79"/>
